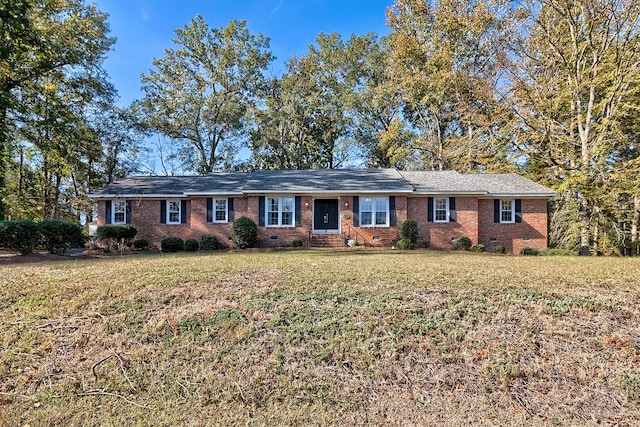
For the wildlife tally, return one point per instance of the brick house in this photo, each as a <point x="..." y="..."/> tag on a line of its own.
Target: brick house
<point x="333" y="207"/>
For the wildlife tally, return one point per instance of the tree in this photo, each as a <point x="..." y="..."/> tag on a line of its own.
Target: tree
<point x="303" y="119"/>
<point x="198" y="94"/>
<point x="42" y="42"/>
<point x="447" y="60"/>
<point x="577" y="67"/>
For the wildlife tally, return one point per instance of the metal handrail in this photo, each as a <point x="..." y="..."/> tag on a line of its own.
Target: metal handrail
<point x="347" y="236"/>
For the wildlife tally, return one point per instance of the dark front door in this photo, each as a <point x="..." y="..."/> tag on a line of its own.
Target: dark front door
<point x="325" y="215"/>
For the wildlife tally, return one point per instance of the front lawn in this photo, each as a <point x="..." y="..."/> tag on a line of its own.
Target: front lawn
<point x="321" y="338"/>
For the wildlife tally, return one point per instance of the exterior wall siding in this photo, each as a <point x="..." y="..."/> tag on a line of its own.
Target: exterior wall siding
<point x="474" y="220"/>
<point x="531" y="232"/>
<point x="440" y="235"/>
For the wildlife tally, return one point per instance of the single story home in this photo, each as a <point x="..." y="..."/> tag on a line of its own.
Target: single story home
<point x="334" y="207"/>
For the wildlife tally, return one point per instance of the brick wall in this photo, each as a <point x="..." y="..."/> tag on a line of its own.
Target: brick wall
<point x="441" y="234"/>
<point x="384" y="237"/>
<point x="474" y="220"/>
<point x="531" y="232"/>
<point x="145" y="216"/>
<point x="281" y="236"/>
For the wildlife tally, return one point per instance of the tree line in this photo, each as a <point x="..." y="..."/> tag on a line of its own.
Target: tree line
<point x="545" y="88"/>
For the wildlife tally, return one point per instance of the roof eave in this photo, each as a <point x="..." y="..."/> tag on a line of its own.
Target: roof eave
<point x="449" y="193"/>
<point x="334" y="192"/>
<point x="530" y="195"/>
<point x="213" y="193"/>
<point x="135" y="196"/>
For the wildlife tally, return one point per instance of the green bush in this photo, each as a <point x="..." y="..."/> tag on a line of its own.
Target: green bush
<point x="559" y="252"/>
<point x="209" y="242"/>
<point x="296" y="243"/>
<point x="499" y="249"/>
<point x="57" y="236"/>
<point x="426" y="244"/>
<point x="405" y="244"/>
<point x="244" y="233"/>
<point x="462" y="243"/>
<point x="19" y="235"/>
<point x="116" y="235"/>
<point x="141" y="244"/>
<point x="172" y="244"/>
<point x="530" y="251"/>
<point x="478" y="248"/>
<point x="409" y="231"/>
<point x="191" y="245"/>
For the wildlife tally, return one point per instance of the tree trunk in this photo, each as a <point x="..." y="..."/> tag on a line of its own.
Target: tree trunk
<point x="4" y="143"/>
<point x="584" y="228"/>
<point x="635" y="225"/>
<point x="596" y="236"/>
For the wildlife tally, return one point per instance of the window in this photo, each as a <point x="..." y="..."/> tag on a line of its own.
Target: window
<point x="374" y="211"/>
<point x="441" y="210"/>
<point x="507" y="208"/>
<point x="280" y="211"/>
<point x="119" y="212"/>
<point x="173" y="212"/>
<point x="220" y="210"/>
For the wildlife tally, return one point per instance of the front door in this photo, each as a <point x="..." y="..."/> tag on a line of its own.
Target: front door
<point x="325" y="216"/>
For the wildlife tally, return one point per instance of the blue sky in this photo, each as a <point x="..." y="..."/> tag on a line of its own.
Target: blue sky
<point x="144" y="28"/>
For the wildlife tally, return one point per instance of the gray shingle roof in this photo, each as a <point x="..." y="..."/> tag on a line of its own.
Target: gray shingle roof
<point x="337" y="181"/>
<point x="441" y="182"/>
<point x="328" y="181"/>
<point x="508" y="184"/>
<point x="222" y="183"/>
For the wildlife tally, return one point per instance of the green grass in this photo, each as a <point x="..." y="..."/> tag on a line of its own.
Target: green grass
<point x="321" y="338"/>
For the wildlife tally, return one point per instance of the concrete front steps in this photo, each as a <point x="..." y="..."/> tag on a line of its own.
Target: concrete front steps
<point x="327" y="241"/>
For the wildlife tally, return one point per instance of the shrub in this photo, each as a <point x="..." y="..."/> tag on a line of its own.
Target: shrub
<point x="191" y="245"/>
<point x="209" y="242"/>
<point x="409" y="231"/>
<point x="478" y="248"/>
<point x="426" y="244"/>
<point x="405" y="244"/>
<point x="530" y="251"/>
<point x="58" y="236"/>
<point x="19" y="235"/>
<point x="244" y="233"/>
<point x="172" y="244"/>
<point x="117" y="235"/>
<point x="296" y="243"/>
<point x="462" y="243"/>
<point x="499" y="249"/>
<point x="141" y="244"/>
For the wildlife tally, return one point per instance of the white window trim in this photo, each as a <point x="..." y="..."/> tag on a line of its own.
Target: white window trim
<point x="279" y="224"/>
<point x="113" y="212"/>
<point x="512" y="210"/>
<point x="179" y="202"/>
<point x="435" y="204"/>
<point x="374" y="212"/>
<point x="215" y="209"/>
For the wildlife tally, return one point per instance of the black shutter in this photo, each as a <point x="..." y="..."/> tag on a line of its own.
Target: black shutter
<point x="298" y="211"/>
<point x="356" y="211"/>
<point x="452" y="209"/>
<point x="496" y="210"/>
<point x="430" y="209"/>
<point x="183" y="211"/>
<point x="392" y="211"/>
<point x="261" y="211"/>
<point x="128" y="212"/>
<point x="107" y="212"/>
<point x="518" y="210"/>
<point x="230" y="213"/>
<point x="163" y="211"/>
<point x="209" y="209"/>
